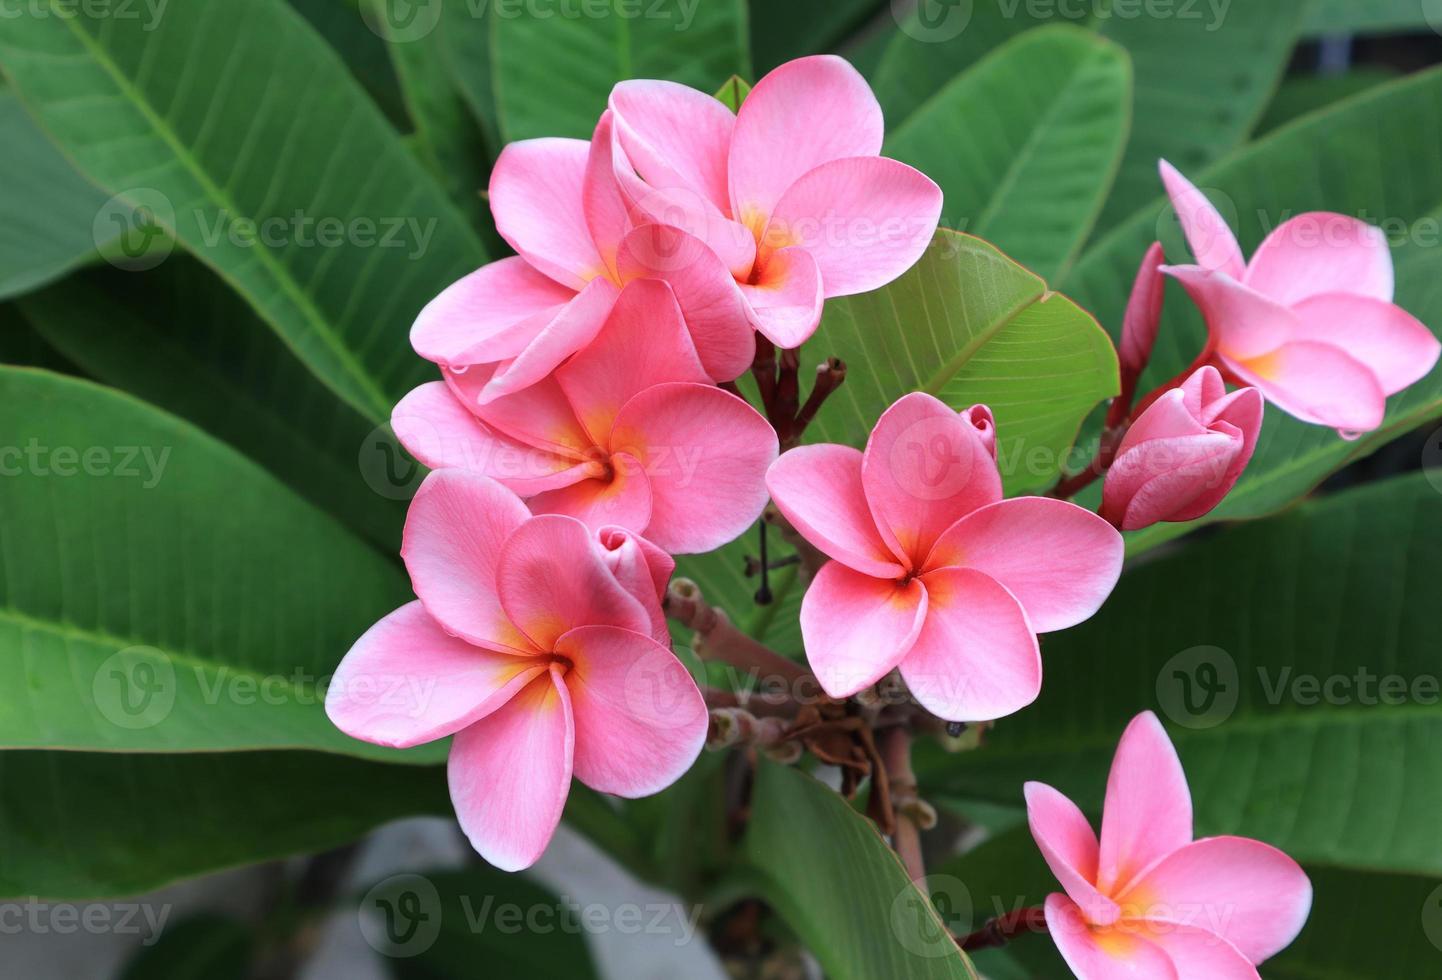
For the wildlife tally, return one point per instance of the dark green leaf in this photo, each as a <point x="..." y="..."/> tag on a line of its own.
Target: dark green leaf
<point x="206" y="947"/>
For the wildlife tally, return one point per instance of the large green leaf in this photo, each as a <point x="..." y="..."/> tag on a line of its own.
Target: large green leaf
<point x="969" y="325"/>
<point x="1379" y="157"/>
<point x="223" y="115"/>
<point x="440" y="926"/>
<point x="1310" y="93"/>
<point x="359" y="41"/>
<point x="1204" y="73"/>
<point x="553" y="69"/>
<point x="93" y="825"/>
<point x="835" y="882"/>
<point x="1373" y="16"/>
<point x="1204" y="77"/>
<point x="178" y="339"/>
<point x="1025" y="145"/>
<point x="48" y="212"/>
<point x="159" y="592"/>
<point x="1229" y="640"/>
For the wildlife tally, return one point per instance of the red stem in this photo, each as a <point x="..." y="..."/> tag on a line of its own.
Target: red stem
<point x="1003" y="929"/>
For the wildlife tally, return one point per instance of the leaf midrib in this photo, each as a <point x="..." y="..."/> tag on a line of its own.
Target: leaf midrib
<point x="380" y="404"/>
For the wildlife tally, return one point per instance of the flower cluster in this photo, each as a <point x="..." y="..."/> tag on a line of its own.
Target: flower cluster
<point x="585" y="429"/>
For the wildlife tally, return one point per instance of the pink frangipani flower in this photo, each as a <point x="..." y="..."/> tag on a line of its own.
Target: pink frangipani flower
<point x="629" y="432"/>
<point x="934" y="573"/>
<point x="1147" y="900"/>
<point x="537" y="644"/>
<point x="791" y="192"/>
<point x="557" y="202"/>
<point x="1184" y="454"/>
<point x="1310" y="320"/>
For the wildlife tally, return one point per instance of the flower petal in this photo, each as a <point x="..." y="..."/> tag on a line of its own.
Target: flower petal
<point x="675" y="136"/>
<point x="977" y="657"/>
<point x="925" y="468"/>
<point x="500" y="306"/>
<point x="818" y="489"/>
<point x="539" y="415"/>
<point x="857" y="628"/>
<point x="1392" y="343"/>
<point x="644" y="342"/>
<point x="803" y="114"/>
<point x="552" y="579"/>
<point x="407" y="681"/>
<point x="640" y="719"/>
<point x="436" y="429"/>
<point x="1059" y="560"/>
<point x="1322" y="253"/>
<point x="1118" y="953"/>
<point x="624" y="500"/>
<point x="510" y="774"/>
<point x="1249" y="893"/>
<point x="575" y="326"/>
<point x="1197" y="954"/>
<point x="455" y="530"/>
<point x="643" y="570"/>
<point x="537" y="199"/>
<point x="1243" y="322"/>
<point x="705" y="289"/>
<point x="1317" y="383"/>
<point x="607" y="215"/>
<point x="1069" y="845"/>
<point x="1148" y="812"/>
<point x="1212" y="241"/>
<point x="785" y="303"/>
<point x="865" y="220"/>
<point x="1174" y="479"/>
<point x="1144" y="312"/>
<point x="705" y="453"/>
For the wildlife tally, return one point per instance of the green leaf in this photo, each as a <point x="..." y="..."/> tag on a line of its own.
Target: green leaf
<point x="1025" y="144"/>
<point x="1310" y="93"/>
<point x="833" y="879"/>
<point x="734" y="92"/>
<point x="178" y="339"/>
<point x="969" y="325"/>
<point x="444" y="924"/>
<point x="234" y="125"/>
<point x="1203" y="81"/>
<point x="48" y="212"/>
<point x="783" y="31"/>
<point x="92" y="825"/>
<point x="356" y="39"/>
<point x="465" y="41"/>
<point x="1372" y="16"/>
<point x="205" y="947"/>
<point x="1254" y="644"/>
<point x="22" y="346"/>
<point x="1377" y="157"/>
<point x="159" y="592"/>
<point x="553" y="73"/>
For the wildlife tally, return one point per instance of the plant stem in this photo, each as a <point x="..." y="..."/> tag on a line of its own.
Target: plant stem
<point x="896" y="754"/>
<point x="717" y="639"/>
<point x="1005" y="928"/>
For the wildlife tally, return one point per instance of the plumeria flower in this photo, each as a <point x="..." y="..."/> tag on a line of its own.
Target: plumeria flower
<point x="791" y="192"/>
<point x="1310" y="320"/>
<point x="557" y="203"/>
<point x="538" y="645"/>
<point x="629" y="432"/>
<point x="933" y="572"/>
<point x="1148" y="901"/>
<point x="1182" y="457"/>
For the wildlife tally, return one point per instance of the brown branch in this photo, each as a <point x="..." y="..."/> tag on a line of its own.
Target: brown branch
<point x="909" y="810"/>
<point x="812" y="557"/>
<point x="1003" y="929"/>
<point x="830" y="375"/>
<point x="717" y="639"/>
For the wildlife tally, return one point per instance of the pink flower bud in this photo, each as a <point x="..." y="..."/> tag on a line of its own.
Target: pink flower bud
<point x="1184" y="454"/>
<point x="1144" y="313"/>
<point x="984" y="423"/>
